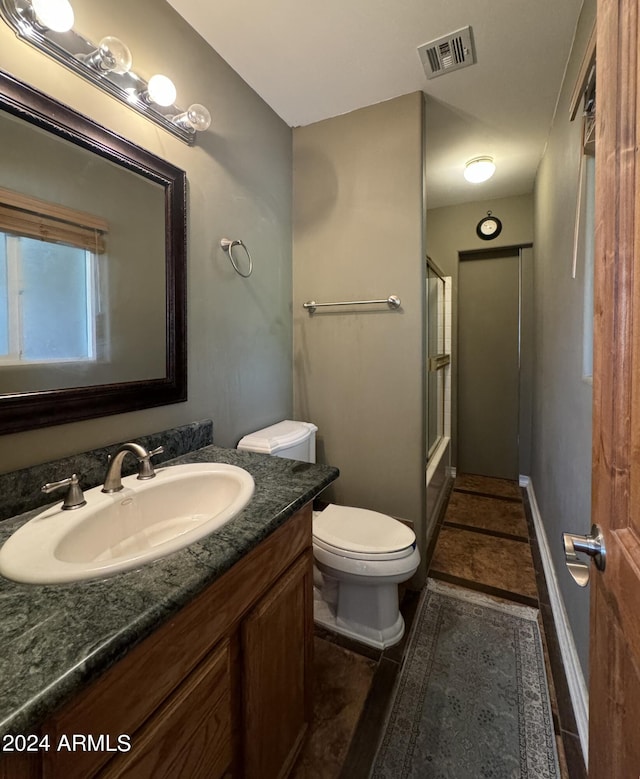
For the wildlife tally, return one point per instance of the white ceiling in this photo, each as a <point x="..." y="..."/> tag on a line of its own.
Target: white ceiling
<point x="313" y="61"/>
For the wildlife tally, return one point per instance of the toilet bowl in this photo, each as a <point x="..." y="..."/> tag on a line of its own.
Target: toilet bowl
<point x="360" y="555"/>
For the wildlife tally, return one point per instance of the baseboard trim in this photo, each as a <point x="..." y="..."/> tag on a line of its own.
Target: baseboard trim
<point x="573" y="670"/>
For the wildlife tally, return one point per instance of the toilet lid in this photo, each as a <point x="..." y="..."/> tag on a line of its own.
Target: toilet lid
<point x="275" y="438"/>
<point x="361" y="530"/>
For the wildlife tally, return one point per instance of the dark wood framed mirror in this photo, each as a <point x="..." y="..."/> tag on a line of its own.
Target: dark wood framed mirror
<point x="96" y="325"/>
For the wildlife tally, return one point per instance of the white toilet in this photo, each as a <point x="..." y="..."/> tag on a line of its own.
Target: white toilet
<point x="360" y="556"/>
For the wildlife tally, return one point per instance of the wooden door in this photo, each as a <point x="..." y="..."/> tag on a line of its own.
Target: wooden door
<point x="277" y="643"/>
<point x="614" y="685"/>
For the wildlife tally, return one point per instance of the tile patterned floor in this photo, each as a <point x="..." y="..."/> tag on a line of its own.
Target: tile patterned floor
<point x="489" y="561"/>
<point x="342" y="681"/>
<point x="484" y="542"/>
<point x="503" y="517"/>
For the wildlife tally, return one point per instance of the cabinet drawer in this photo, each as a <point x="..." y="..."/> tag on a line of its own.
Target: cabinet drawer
<point x="190" y="735"/>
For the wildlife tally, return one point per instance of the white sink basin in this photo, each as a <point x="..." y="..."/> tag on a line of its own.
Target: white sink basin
<point x="126" y="529"/>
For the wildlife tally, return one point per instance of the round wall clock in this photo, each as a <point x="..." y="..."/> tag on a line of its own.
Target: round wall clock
<point x="489" y="227"/>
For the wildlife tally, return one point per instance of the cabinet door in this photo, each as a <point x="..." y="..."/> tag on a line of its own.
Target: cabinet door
<point x="190" y="736"/>
<point x="277" y="639"/>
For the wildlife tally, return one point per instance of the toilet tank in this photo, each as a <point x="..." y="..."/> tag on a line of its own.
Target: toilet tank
<point x="290" y="439"/>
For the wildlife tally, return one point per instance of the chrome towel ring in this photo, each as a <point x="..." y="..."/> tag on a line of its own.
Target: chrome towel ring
<point x="227" y="246"/>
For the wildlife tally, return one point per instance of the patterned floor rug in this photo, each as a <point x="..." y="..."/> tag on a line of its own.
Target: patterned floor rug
<point x="472" y="699"/>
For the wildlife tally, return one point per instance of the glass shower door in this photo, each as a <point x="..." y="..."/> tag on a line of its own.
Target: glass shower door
<point x="437" y="357"/>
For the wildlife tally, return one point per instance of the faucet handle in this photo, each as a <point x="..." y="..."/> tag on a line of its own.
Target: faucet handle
<point x="74" y="499"/>
<point x="145" y="469"/>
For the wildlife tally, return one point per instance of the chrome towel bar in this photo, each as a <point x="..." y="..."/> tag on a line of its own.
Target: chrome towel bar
<point x="393" y="301"/>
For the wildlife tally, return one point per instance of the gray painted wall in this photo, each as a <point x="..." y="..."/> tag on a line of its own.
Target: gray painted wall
<point x="451" y="230"/>
<point x="358" y="234"/>
<point x="561" y="470"/>
<point x="239" y="182"/>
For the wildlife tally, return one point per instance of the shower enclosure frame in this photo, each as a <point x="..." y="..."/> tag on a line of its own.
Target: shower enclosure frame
<point x="438" y="358"/>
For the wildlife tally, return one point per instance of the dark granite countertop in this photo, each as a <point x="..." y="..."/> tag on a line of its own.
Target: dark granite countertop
<point x="55" y="639"/>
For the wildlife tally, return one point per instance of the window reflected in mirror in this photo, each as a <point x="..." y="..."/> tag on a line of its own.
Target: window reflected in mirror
<point x="49" y="302"/>
<point x="51" y="299"/>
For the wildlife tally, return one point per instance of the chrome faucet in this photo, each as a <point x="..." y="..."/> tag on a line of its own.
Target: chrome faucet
<point x="113" y="478"/>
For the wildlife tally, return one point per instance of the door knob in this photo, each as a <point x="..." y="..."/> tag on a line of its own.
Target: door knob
<point x="591" y="545"/>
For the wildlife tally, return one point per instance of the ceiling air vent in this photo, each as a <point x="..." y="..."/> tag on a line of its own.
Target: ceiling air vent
<point x="451" y="52"/>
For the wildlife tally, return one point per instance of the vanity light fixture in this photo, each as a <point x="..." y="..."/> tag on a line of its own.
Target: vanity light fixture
<point x="479" y="169"/>
<point x="48" y="25"/>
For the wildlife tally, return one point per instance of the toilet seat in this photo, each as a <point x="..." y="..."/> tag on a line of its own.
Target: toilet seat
<point x="361" y="534"/>
<point x="370" y="556"/>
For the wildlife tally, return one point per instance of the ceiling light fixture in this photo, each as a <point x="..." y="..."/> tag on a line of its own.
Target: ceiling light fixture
<point x="479" y="169"/>
<point x="48" y="25"/>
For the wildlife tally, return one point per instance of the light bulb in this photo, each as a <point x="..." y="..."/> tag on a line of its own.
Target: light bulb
<point x="161" y="90"/>
<point x="56" y="15"/>
<point x="196" y="117"/>
<point x="479" y="169"/>
<point x="111" y="56"/>
<point x="116" y="57"/>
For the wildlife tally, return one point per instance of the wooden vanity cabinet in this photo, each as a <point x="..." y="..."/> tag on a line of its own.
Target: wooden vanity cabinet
<point x="223" y="689"/>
